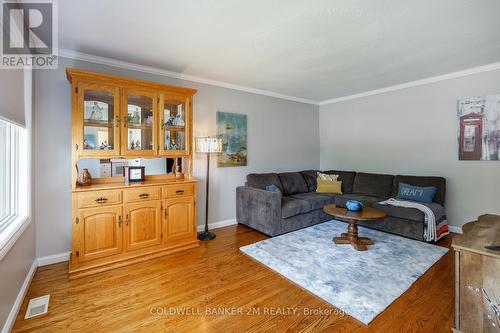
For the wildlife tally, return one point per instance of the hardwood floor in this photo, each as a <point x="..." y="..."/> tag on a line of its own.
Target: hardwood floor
<point x="221" y="290"/>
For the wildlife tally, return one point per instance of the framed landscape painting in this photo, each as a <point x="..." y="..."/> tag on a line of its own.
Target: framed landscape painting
<point x="232" y="129"/>
<point x="479" y="128"/>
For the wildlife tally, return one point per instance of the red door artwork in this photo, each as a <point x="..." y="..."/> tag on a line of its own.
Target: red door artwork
<point x="471" y="136"/>
<point x="479" y="128"/>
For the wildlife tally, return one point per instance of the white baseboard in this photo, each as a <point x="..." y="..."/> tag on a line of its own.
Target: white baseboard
<point x="455" y="229"/>
<point x="219" y="224"/>
<point x="43" y="261"/>
<point x="61" y="257"/>
<point x="9" y="323"/>
<point x="53" y="259"/>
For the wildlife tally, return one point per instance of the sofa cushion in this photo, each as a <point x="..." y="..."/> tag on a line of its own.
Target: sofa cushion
<point x="310" y="177"/>
<point x="437" y="182"/>
<point x="411" y="214"/>
<point x="317" y="201"/>
<point x="394" y="225"/>
<point x="261" y="180"/>
<point x="293" y="183"/>
<point x="367" y="200"/>
<point x="292" y="206"/>
<point x="372" y="184"/>
<point x="346" y="177"/>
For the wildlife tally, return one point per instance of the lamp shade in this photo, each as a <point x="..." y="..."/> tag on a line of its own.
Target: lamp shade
<point x="208" y="145"/>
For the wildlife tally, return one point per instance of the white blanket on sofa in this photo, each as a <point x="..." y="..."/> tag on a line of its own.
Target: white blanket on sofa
<point x="430" y="225"/>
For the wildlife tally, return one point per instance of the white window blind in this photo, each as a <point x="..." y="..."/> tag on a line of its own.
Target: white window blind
<point x="13" y="174"/>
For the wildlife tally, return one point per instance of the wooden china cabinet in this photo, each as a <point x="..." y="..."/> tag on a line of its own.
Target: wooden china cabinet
<point x="114" y="224"/>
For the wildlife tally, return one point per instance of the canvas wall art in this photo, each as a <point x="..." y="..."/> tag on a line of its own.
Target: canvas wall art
<point x="479" y="128"/>
<point x="232" y="129"/>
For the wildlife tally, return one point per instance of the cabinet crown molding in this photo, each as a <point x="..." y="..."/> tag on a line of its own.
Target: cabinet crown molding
<point x="75" y="74"/>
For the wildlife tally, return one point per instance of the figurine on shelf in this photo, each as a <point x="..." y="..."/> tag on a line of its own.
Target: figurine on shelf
<point x="137" y="116"/>
<point x="148" y="118"/>
<point x="86" y="144"/>
<point x="96" y="112"/>
<point x="180" y="140"/>
<point x="138" y="145"/>
<point x="178" y="120"/>
<point x="85" y="179"/>
<point x="132" y="145"/>
<point x="104" y="146"/>
<point x="167" y="139"/>
<point x="170" y="121"/>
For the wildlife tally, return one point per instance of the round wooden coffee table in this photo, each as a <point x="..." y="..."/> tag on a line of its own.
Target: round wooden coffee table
<point x="351" y="236"/>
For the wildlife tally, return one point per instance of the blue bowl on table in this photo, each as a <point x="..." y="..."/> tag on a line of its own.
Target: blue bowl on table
<point x="354" y="205"/>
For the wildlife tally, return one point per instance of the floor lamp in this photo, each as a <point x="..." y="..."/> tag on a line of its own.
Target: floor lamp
<point x="207" y="145"/>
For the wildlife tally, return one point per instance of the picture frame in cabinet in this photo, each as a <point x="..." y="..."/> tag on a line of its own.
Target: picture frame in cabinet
<point x="134" y="174"/>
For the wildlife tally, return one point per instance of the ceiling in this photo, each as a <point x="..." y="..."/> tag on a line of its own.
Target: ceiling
<point x="316" y="50"/>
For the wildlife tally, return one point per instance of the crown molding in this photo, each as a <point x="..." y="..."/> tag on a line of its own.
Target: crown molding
<point x="154" y="70"/>
<point x="453" y="75"/>
<point x="192" y="78"/>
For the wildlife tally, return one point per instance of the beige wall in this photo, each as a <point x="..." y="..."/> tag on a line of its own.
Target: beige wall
<point x="414" y="131"/>
<point x="282" y="136"/>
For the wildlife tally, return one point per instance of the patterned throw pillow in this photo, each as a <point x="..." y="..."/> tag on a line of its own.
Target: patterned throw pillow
<point x="416" y="193"/>
<point x="328" y="184"/>
<point x="273" y="188"/>
<point x="325" y="176"/>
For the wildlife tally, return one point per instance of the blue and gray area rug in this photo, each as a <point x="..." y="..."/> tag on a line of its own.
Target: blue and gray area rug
<point x="362" y="284"/>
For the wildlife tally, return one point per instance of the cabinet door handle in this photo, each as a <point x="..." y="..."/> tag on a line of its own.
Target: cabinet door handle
<point x="179" y="191"/>
<point x="125" y="120"/>
<point x="119" y="221"/>
<point x="144" y="195"/>
<point x="117" y="121"/>
<point x="126" y="219"/>
<point x="166" y="214"/>
<point x="101" y="200"/>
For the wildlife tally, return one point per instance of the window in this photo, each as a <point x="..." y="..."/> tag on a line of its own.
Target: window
<point x="13" y="179"/>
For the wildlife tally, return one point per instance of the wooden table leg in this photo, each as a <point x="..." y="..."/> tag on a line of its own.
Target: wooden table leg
<point x="351" y="237"/>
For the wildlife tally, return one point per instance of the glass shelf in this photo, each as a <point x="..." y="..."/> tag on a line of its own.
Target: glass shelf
<point x="140" y="123"/>
<point x="174" y="125"/>
<point x="175" y="128"/>
<point x="98" y="119"/>
<point x="97" y="123"/>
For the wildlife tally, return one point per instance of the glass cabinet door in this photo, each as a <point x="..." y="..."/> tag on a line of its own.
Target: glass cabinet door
<point x="139" y="132"/>
<point x="174" y="125"/>
<point x="100" y="126"/>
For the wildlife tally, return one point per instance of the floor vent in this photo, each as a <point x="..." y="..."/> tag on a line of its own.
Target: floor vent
<point x="37" y="306"/>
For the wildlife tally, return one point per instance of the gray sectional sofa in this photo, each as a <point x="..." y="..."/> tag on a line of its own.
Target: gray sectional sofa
<point x="299" y="205"/>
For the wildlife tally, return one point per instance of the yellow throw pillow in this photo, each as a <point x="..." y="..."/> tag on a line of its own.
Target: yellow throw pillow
<point x="329" y="186"/>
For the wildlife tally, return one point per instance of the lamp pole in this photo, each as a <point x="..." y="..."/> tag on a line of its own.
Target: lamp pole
<point x="207" y="145"/>
<point x="207" y="235"/>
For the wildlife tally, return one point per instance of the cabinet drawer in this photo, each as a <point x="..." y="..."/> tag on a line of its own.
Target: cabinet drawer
<point x="100" y="198"/>
<point x="179" y="190"/>
<point x="141" y="194"/>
